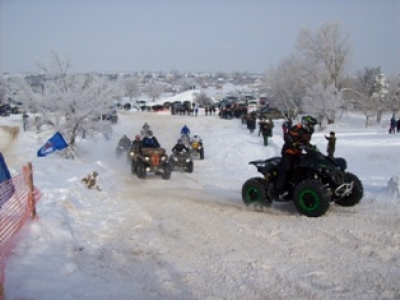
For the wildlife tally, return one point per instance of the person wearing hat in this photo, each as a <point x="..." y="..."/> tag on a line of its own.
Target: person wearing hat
<point x="330" y="149"/>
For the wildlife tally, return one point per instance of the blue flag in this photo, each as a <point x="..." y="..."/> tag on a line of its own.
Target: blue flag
<point x="56" y="142"/>
<point x="6" y="186"/>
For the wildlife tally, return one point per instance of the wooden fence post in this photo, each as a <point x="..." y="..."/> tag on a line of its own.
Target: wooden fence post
<point x="31" y="200"/>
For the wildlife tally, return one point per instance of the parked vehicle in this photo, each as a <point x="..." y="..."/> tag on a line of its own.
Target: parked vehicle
<point x="5" y="110"/>
<point x="269" y="113"/>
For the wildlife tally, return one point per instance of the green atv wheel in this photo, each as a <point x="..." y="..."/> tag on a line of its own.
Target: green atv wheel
<point x="311" y="198"/>
<point x="254" y="192"/>
<point x="356" y="194"/>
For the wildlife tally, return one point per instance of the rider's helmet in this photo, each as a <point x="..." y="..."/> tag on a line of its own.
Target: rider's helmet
<point x="180" y="141"/>
<point x="149" y="133"/>
<point x="137" y="137"/>
<point x="95" y="173"/>
<point x="308" y="122"/>
<point x="195" y="135"/>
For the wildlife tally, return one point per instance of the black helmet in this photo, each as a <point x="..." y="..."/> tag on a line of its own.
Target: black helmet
<point x="180" y="141"/>
<point x="149" y="133"/>
<point x="308" y="122"/>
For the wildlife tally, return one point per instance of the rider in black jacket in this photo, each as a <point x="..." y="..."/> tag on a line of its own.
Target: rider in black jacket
<point x="179" y="147"/>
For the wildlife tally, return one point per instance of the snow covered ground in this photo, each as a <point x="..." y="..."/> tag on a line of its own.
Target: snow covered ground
<point x="191" y="237"/>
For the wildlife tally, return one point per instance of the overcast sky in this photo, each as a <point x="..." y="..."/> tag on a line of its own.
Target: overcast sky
<point x="189" y="35"/>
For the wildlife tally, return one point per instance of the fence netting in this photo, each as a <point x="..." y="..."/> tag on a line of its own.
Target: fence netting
<point x="18" y="199"/>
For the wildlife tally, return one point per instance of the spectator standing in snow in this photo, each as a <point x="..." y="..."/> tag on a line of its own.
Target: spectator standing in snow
<point x="285" y="129"/>
<point x="330" y="149"/>
<point x="393" y="125"/>
<point x="25" y="121"/>
<point x="398" y="125"/>
<point x="38" y="124"/>
<point x="251" y="123"/>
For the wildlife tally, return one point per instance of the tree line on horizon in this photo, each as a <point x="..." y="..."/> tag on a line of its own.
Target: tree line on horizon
<point x="314" y="79"/>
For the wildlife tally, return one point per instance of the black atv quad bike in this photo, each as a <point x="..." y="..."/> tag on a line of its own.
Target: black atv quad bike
<point x="120" y="150"/>
<point x="315" y="182"/>
<point x="181" y="160"/>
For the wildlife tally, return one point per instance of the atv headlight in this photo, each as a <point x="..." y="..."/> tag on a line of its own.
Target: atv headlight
<point x="175" y="158"/>
<point x="131" y="154"/>
<point x="260" y="165"/>
<point x="187" y="160"/>
<point x="163" y="158"/>
<point x="147" y="158"/>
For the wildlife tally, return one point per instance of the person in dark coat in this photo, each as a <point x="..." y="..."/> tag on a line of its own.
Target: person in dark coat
<point x="180" y="147"/>
<point x="150" y="141"/>
<point x="185" y="130"/>
<point x="251" y="123"/>
<point x="330" y="149"/>
<point x="265" y="130"/>
<point x="25" y="118"/>
<point x="298" y="135"/>
<point x="124" y="142"/>
<point x="393" y="125"/>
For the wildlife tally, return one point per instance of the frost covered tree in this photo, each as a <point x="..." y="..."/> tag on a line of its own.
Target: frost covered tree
<point x="323" y="102"/>
<point x="327" y="48"/>
<point x="69" y="103"/>
<point x="201" y="99"/>
<point x="2" y="91"/>
<point x="286" y="85"/>
<point x="393" y="93"/>
<point x="153" y="90"/>
<point x="132" y="88"/>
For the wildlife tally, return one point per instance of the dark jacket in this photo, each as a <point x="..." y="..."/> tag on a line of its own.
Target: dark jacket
<point x="136" y="146"/>
<point x="297" y="136"/>
<point x="331" y="143"/>
<point x="265" y="128"/>
<point x="179" y="148"/>
<point x="124" y="142"/>
<point x="150" y="142"/>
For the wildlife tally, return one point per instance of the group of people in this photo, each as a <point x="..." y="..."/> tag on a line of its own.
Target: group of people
<point x="147" y="141"/>
<point x="185" y="135"/>
<point x="150" y="141"/>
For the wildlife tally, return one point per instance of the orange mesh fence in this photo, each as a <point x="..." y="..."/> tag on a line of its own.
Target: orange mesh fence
<point x="18" y="199"/>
